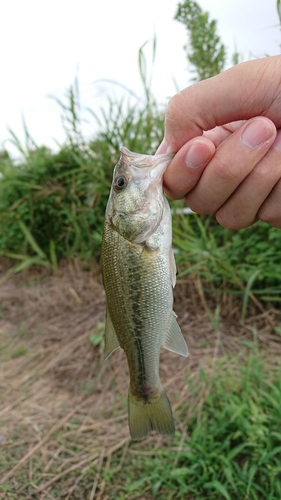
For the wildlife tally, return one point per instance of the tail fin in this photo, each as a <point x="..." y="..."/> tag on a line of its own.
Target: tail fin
<point x="154" y="415"/>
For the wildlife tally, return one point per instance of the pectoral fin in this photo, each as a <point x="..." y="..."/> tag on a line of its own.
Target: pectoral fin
<point x="174" y="340"/>
<point x="111" y="340"/>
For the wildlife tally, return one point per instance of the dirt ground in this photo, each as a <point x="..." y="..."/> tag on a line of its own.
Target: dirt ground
<point x="63" y="409"/>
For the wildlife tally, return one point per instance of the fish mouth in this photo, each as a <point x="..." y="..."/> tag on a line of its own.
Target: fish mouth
<point x="157" y="171"/>
<point x="156" y="163"/>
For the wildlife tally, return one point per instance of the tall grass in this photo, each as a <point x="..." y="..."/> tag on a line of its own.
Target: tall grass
<point x="52" y="204"/>
<point x="52" y="196"/>
<point x="235" y="262"/>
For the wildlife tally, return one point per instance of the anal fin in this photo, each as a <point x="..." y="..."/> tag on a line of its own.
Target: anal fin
<point x="174" y="340"/>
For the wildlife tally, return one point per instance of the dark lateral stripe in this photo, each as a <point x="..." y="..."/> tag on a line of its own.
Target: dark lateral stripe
<point x="141" y="369"/>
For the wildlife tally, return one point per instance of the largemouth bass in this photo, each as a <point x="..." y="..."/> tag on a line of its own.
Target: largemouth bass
<point x="139" y="274"/>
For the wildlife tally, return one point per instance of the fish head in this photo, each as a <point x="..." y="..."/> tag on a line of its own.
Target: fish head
<point x="136" y="202"/>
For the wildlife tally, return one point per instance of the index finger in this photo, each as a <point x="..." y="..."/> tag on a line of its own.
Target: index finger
<point x="242" y="92"/>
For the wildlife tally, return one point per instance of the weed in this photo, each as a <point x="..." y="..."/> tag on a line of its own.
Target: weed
<point x="52" y="204"/>
<point x="244" y="262"/>
<point x="233" y="451"/>
<point x="97" y="337"/>
<point x="21" y="332"/>
<point x="19" y="351"/>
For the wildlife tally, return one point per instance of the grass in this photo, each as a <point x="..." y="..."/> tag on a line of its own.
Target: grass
<point x="74" y="444"/>
<point x="244" y="262"/>
<point x="63" y="410"/>
<point x="231" y="442"/>
<point x="52" y="204"/>
<point x="63" y="434"/>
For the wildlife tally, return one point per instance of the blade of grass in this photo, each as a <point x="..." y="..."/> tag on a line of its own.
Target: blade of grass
<point x="247" y="294"/>
<point x="31" y="240"/>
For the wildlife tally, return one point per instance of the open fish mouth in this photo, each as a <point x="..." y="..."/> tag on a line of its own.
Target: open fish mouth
<point x="142" y="161"/>
<point x="155" y="166"/>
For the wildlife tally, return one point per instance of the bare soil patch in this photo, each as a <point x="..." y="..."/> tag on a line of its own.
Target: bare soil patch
<point x="63" y="410"/>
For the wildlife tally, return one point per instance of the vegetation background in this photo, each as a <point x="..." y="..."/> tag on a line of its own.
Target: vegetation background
<point x="52" y="203"/>
<point x="52" y="208"/>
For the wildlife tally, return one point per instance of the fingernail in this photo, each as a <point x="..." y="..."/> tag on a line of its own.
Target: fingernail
<point x="162" y="148"/>
<point x="256" y="133"/>
<point x="198" y="155"/>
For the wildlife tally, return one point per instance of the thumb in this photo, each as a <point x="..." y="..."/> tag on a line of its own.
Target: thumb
<point x="242" y="92"/>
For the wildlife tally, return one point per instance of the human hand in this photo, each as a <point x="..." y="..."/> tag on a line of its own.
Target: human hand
<point x="234" y="168"/>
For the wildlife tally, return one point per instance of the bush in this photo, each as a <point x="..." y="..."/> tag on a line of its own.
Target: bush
<point x="227" y="260"/>
<point x="52" y="204"/>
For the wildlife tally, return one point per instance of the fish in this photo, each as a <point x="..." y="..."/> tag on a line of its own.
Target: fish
<point x="139" y="273"/>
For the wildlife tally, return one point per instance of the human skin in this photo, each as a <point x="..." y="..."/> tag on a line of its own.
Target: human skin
<point x="226" y="133"/>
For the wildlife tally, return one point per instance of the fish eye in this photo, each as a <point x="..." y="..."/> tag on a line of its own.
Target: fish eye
<point x="120" y="183"/>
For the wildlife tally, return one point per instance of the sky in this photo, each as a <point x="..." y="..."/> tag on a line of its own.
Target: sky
<point x="46" y="44"/>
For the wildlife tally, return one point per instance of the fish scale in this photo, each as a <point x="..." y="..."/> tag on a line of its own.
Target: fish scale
<point x="140" y="298"/>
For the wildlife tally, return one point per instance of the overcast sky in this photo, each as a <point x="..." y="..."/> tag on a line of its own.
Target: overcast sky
<point x="44" y="44"/>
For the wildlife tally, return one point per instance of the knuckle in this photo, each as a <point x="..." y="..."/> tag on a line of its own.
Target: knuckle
<point x="270" y="210"/>
<point x="232" y="220"/>
<point x="263" y="171"/>
<point x="268" y="214"/>
<point x="175" y="108"/>
<point x="178" y="121"/>
<point x="223" y="171"/>
<point x="198" y="206"/>
<point x="228" y="223"/>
